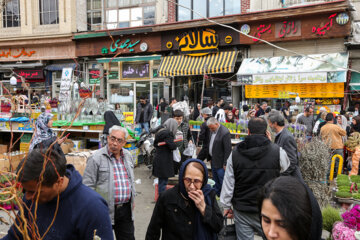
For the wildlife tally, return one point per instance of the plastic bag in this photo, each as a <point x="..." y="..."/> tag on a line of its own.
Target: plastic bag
<point x="190" y="150"/>
<point x="176" y="155"/>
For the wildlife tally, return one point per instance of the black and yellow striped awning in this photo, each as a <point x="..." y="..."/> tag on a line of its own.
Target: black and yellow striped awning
<point x="183" y="65"/>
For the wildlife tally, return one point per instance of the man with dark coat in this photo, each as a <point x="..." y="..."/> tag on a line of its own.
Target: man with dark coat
<point x="204" y="135"/>
<point x="286" y="140"/>
<point x="144" y="113"/>
<point x="218" y="105"/>
<point x="252" y="163"/>
<point x="219" y="151"/>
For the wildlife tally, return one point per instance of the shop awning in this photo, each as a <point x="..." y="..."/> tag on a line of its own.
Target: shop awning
<point x="355" y="82"/>
<point x="319" y="68"/>
<point x="183" y="65"/>
<point x="60" y="66"/>
<point x="129" y="59"/>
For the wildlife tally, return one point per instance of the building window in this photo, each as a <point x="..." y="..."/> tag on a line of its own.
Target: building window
<point x="11" y="14"/>
<point x="49" y="12"/>
<point x="207" y="8"/>
<point x="129" y="13"/>
<point x="94" y="14"/>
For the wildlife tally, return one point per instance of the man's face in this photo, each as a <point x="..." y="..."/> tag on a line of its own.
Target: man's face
<point x="311" y="112"/>
<point x="179" y="120"/>
<point x="264" y="106"/>
<point x="142" y="101"/>
<point x="213" y="127"/>
<point x="272" y="126"/>
<point x="116" y="141"/>
<point x="46" y="193"/>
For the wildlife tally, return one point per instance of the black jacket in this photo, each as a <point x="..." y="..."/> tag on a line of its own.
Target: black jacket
<point x="148" y="112"/>
<point x="287" y="141"/>
<point x="214" y="110"/>
<point x="173" y="217"/>
<point x="221" y="148"/>
<point x="204" y="137"/>
<point x="256" y="160"/>
<point x="163" y="166"/>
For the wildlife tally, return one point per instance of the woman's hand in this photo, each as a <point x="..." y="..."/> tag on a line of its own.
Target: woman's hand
<point x="198" y="197"/>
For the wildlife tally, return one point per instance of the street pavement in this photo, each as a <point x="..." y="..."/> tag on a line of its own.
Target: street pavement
<point x="144" y="204"/>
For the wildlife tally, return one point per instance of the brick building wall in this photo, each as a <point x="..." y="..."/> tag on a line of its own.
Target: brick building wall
<point x="245" y="5"/>
<point x="172" y="12"/>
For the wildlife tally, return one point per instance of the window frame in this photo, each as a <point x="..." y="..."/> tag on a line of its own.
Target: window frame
<point x="43" y="14"/>
<point x="142" y="4"/>
<point x="91" y="26"/>
<point x="192" y="14"/>
<point x="5" y="16"/>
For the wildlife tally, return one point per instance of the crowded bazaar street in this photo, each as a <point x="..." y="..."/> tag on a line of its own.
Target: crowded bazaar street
<point x="180" y="119"/>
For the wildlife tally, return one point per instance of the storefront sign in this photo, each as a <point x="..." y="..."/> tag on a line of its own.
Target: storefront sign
<point x="65" y="85"/>
<point x="318" y="68"/>
<point x="326" y="27"/>
<point x="311" y="90"/>
<point x="30" y="74"/>
<point x="198" y="43"/>
<point x="113" y="75"/>
<point x="16" y="53"/>
<point x="288" y="78"/>
<point x="94" y="76"/>
<point x="309" y="27"/>
<point x="126" y="44"/>
<point x="134" y="70"/>
<point x="288" y="29"/>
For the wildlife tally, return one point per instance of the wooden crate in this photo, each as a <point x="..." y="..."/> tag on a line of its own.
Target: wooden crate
<point x="96" y="127"/>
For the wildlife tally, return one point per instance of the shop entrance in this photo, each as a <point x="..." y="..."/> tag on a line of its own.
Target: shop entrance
<point x="126" y="94"/>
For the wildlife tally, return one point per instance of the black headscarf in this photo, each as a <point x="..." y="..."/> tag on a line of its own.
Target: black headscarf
<point x="110" y="120"/>
<point x="201" y="230"/>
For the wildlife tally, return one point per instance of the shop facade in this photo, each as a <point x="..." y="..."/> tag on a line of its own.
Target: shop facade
<point x="200" y="55"/>
<point x="34" y="61"/>
<point x="314" y="68"/>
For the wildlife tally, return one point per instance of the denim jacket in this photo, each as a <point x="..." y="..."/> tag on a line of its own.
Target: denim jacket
<point x="99" y="175"/>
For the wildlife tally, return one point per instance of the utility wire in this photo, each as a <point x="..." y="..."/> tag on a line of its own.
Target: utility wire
<point x="262" y="40"/>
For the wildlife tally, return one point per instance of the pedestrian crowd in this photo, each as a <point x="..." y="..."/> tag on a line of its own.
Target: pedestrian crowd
<point x="258" y="182"/>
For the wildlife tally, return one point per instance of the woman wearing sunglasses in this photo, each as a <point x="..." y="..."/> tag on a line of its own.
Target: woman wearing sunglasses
<point x="189" y="210"/>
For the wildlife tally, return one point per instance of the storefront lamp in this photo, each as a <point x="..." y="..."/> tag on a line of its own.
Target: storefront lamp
<point x="13" y="80"/>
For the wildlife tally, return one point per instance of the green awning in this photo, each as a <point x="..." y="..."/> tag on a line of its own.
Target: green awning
<point x="355" y="81"/>
<point x="129" y="59"/>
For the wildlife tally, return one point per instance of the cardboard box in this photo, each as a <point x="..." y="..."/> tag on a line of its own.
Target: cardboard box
<point x="4" y="165"/>
<point x="67" y="146"/>
<point x="78" y="159"/>
<point x="97" y="127"/>
<point x="3" y="148"/>
<point x="24" y="146"/>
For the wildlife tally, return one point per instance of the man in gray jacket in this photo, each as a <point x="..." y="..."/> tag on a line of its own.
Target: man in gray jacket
<point x="110" y="172"/>
<point x="286" y="140"/>
<point x="144" y="113"/>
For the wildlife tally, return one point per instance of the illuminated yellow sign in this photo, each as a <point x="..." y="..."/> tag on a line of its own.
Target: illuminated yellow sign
<point x="311" y="90"/>
<point x="198" y="43"/>
<point x="169" y="45"/>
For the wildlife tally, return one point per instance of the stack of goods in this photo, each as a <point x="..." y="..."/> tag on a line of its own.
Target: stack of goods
<point x="131" y="147"/>
<point x="78" y="159"/>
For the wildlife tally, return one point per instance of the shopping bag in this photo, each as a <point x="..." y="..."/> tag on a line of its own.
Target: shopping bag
<point x="176" y="155"/>
<point x="190" y="150"/>
<point x="228" y="232"/>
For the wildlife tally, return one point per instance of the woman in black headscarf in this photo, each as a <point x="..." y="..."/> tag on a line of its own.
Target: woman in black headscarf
<point x="289" y="210"/>
<point x="189" y="210"/>
<point x="355" y="125"/>
<point x="110" y="120"/>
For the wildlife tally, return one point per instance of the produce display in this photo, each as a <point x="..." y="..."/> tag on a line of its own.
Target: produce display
<point x="7" y="185"/>
<point x="347" y="186"/>
<point x="234" y="128"/>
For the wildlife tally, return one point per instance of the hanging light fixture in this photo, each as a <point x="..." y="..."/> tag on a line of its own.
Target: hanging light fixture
<point x="13" y="80"/>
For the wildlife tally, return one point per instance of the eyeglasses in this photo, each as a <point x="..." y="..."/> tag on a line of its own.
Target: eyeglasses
<point x="196" y="182"/>
<point x="118" y="140"/>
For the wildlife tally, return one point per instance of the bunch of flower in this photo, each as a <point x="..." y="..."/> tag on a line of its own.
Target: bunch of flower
<point x="352" y="218"/>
